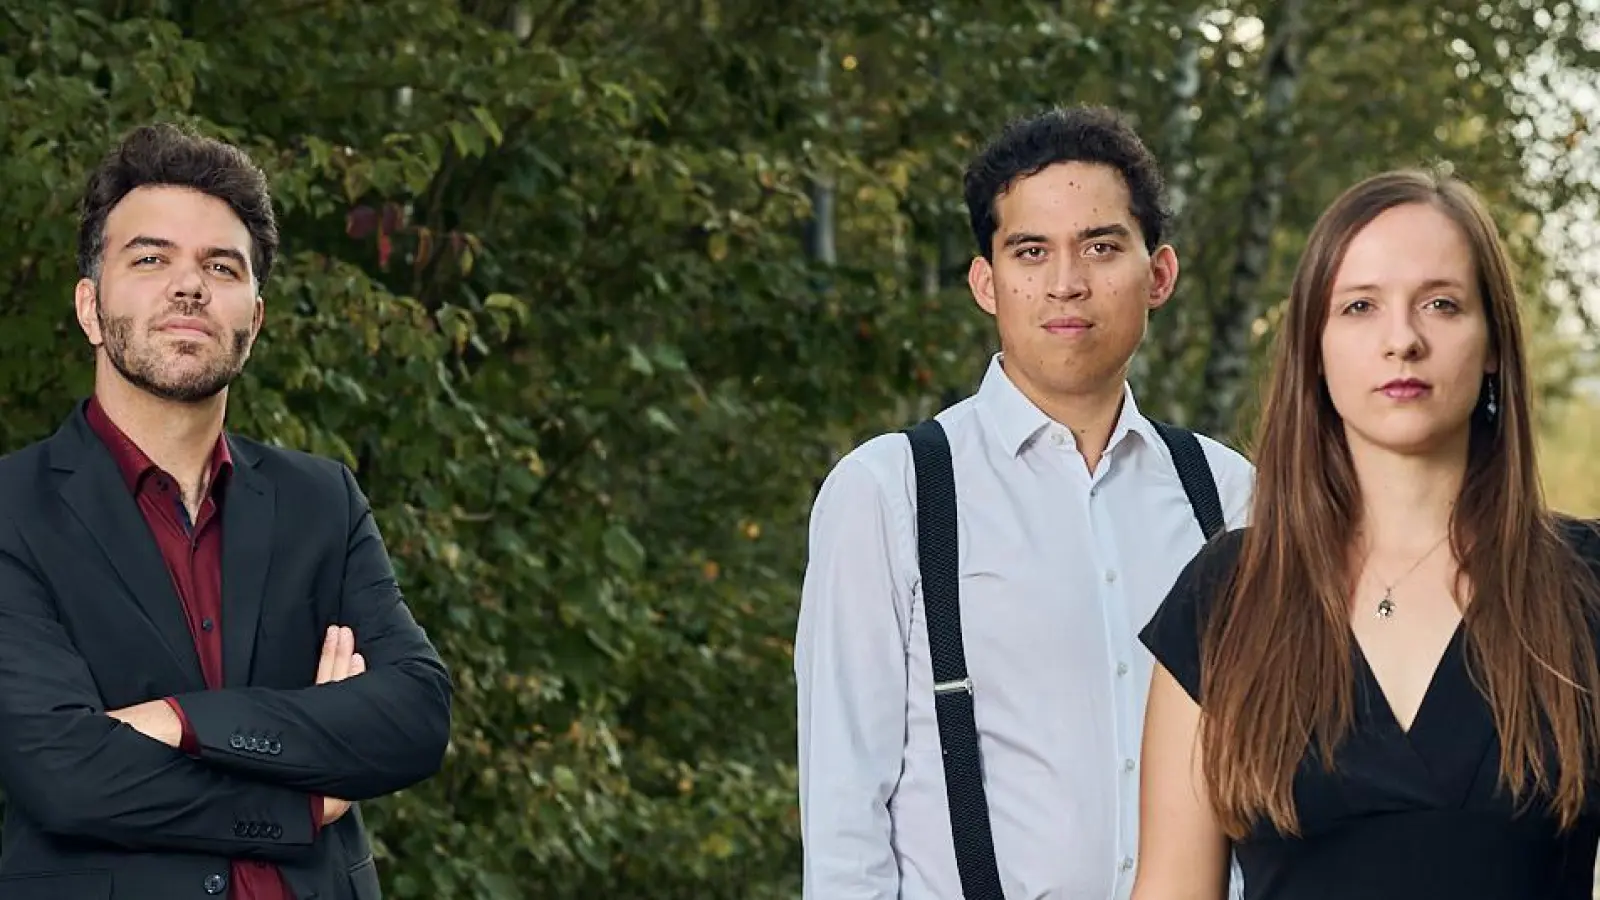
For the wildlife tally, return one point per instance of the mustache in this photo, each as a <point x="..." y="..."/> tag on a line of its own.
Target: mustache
<point x="193" y="308"/>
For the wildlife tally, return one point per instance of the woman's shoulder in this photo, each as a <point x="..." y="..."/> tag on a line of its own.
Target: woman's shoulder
<point x="1173" y="634"/>
<point x="1582" y="535"/>
<point x="1213" y="564"/>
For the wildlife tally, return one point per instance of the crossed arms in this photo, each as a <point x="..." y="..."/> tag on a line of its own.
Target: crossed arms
<point x="81" y="771"/>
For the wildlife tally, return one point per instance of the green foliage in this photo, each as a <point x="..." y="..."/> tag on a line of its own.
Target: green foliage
<point x="545" y="287"/>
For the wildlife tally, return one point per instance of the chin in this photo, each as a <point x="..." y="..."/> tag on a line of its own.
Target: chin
<point x="1420" y="439"/>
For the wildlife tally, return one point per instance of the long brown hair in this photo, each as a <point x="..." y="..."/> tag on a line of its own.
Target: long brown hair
<point x="1278" y="669"/>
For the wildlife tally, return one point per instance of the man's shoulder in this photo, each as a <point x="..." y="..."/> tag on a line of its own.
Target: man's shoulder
<point x="283" y="463"/>
<point x="885" y="458"/>
<point x="22" y="472"/>
<point x="868" y="468"/>
<point x="1223" y="458"/>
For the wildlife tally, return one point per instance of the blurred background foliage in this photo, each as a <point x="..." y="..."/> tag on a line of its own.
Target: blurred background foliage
<point x="592" y="294"/>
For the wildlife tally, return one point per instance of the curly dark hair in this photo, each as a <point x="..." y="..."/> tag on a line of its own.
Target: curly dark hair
<point x="165" y="154"/>
<point x="1087" y="134"/>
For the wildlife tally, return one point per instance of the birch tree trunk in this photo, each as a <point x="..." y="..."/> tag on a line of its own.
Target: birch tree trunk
<point x="1228" y="365"/>
<point x="820" y="243"/>
<point x="1173" y="328"/>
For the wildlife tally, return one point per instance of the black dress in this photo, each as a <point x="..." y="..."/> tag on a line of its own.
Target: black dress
<point x="1405" y="815"/>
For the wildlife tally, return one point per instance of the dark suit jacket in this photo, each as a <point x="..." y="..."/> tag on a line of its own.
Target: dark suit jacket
<point x="90" y="621"/>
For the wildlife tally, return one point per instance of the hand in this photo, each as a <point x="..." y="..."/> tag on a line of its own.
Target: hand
<point x="339" y="661"/>
<point x="154" y="719"/>
<point x="339" y="656"/>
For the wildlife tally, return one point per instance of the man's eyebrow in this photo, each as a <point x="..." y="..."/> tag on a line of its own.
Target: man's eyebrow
<point x="1112" y="229"/>
<point x="1025" y="237"/>
<point x="145" y="240"/>
<point x="1115" y="229"/>
<point x="227" y="253"/>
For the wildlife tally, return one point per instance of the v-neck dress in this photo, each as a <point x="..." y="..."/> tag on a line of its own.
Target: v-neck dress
<point x="1405" y="814"/>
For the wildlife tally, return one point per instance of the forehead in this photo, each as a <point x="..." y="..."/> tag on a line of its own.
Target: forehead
<point x="1065" y="198"/>
<point x="1406" y="246"/>
<point x="181" y="215"/>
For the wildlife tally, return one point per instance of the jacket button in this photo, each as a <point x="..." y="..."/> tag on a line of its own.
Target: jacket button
<point x="216" y="884"/>
<point x="236" y="742"/>
<point x="275" y="747"/>
<point x="240" y="829"/>
<point x="275" y="832"/>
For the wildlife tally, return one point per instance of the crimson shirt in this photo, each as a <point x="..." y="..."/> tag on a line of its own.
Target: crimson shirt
<point x="193" y="554"/>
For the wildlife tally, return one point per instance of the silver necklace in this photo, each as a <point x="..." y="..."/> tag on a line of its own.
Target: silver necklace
<point x="1386" y="606"/>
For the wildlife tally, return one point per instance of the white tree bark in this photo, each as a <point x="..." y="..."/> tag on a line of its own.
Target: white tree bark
<point x="1227" y="368"/>
<point x="821" y="239"/>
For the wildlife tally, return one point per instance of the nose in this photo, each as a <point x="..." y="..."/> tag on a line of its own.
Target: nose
<point x="1404" y="340"/>
<point x="188" y="284"/>
<point x="1067" y="281"/>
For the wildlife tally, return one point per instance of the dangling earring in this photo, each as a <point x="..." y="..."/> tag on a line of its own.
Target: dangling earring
<point x="1492" y="408"/>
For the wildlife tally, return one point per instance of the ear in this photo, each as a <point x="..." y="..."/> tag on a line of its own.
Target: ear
<point x="980" y="280"/>
<point x="1163" y="275"/>
<point x="85" y="304"/>
<point x="259" y="318"/>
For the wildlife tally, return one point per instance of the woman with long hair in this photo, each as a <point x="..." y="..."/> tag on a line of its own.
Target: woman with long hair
<point x="1385" y="686"/>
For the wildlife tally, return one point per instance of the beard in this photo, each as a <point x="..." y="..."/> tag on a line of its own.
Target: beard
<point x="140" y="362"/>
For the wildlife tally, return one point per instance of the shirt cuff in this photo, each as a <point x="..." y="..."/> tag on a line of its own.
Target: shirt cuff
<point x="188" y="743"/>
<point x="319" y="808"/>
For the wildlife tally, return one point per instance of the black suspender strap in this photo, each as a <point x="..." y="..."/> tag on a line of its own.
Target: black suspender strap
<point x="941" y="598"/>
<point x="952" y="687"/>
<point x="1190" y="460"/>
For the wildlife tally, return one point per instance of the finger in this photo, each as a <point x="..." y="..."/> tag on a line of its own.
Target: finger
<point x="325" y="663"/>
<point x="358" y="664"/>
<point x="346" y="649"/>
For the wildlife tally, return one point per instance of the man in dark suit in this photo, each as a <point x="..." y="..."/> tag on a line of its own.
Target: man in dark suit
<point x="204" y="655"/>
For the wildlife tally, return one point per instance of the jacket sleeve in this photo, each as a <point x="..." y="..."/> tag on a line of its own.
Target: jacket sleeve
<point x="363" y="737"/>
<point x="80" y="774"/>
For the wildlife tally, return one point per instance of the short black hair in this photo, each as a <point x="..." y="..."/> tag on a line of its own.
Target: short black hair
<point x="167" y="155"/>
<point x="1086" y="134"/>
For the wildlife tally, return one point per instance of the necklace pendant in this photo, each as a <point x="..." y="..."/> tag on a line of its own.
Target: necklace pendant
<point x="1385" y="606"/>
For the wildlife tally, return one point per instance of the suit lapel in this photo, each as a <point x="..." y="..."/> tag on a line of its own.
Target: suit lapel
<point x="247" y="528"/>
<point x="103" y="505"/>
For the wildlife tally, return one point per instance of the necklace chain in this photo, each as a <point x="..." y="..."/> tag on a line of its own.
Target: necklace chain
<point x="1386" y="606"/>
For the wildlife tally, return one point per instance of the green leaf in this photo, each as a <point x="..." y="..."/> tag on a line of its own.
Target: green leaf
<point x="623" y="549"/>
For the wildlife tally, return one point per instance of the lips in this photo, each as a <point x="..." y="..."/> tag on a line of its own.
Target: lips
<point x="1406" y="389"/>
<point x="187" y="328"/>
<point x="1068" y="325"/>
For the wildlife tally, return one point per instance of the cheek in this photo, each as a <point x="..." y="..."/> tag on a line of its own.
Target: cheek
<point x="1341" y="369"/>
<point x="1016" y="292"/>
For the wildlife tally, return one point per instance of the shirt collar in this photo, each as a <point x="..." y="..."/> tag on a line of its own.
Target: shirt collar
<point x="134" y="464"/>
<point x="1015" y="421"/>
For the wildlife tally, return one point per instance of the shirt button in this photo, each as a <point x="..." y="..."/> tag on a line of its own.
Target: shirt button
<point x="1127" y="765"/>
<point x="206" y="624"/>
<point x="1122" y="668"/>
<point x="1058" y="438"/>
<point x="1111" y="576"/>
<point x="1127" y="863"/>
